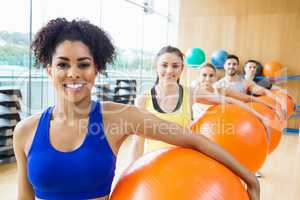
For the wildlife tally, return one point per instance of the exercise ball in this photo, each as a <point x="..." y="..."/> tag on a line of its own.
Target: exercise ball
<point x="238" y="131"/>
<point x="274" y="124"/>
<point x="272" y="69"/>
<point x="177" y="174"/>
<point x="195" y="57"/>
<point x="289" y="102"/>
<point x="218" y="58"/>
<point x="200" y="107"/>
<point x="280" y="96"/>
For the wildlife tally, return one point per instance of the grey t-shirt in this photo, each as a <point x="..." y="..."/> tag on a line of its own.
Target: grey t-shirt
<point x="266" y="83"/>
<point x="238" y="85"/>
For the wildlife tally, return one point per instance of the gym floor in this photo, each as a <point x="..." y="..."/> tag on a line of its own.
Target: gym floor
<point x="280" y="181"/>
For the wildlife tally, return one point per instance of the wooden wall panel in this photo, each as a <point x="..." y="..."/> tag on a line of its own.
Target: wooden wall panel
<point x="252" y="29"/>
<point x="262" y="30"/>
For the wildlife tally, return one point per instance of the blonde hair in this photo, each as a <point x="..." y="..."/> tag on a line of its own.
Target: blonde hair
<point x="209" y="65"/>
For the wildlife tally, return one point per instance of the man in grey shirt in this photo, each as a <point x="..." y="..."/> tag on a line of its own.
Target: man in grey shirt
<point x="233" y="81"/>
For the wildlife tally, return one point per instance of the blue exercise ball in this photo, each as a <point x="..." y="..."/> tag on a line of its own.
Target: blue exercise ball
<point x="195" y="57"/>
<point x="218" y="58"/>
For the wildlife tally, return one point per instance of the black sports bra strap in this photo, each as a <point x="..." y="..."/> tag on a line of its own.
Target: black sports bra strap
<point x="155" y="103"/>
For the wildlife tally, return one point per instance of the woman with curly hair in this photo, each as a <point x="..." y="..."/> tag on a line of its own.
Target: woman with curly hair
<point x="69" y="150"/>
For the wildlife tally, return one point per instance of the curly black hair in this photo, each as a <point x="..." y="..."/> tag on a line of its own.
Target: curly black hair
<point x="58" y="30"/>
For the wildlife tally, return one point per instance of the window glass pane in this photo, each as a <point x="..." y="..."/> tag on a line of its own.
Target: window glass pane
<point x="161" y="6"/>
<point x="155" y="37"/>
<point x="137" y="35"/>
<point x="43" y="11"/>
<point x="14" y="46"/>
<point x="140" y="2"/>
<point x="124" y="22"/>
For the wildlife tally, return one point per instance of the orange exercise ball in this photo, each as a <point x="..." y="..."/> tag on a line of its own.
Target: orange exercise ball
<point x="274" y="124"/>
<point x="272" y="69"/>
<point x="236" y="130"/>
<point x="290" y="106"/>
<point x="281" y="96"/>
<point x="178" y="173"/>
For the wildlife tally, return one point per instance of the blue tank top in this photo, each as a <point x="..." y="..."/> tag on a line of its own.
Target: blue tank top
<point x="84" y="173"/>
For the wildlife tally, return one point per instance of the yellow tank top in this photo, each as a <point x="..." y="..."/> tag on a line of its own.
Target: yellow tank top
<point x="181" y="116"/>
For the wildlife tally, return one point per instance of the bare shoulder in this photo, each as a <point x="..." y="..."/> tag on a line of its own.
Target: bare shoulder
<point x="25" y="130"/>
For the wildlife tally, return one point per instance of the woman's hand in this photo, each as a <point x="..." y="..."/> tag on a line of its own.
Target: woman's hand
<point x="281" y="113"/>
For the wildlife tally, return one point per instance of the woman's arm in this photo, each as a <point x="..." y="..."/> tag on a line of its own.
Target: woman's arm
<point x="191" y="101"/>
<point x="149" y="126"/>
<point x="280" y="110"/>
<point x="25" y="190"/>
<point x="263" y="119"/>
<point x="225" y="99"/>
<point x="248" y="98"/>
<point x="236" y="95"/>
<point x="137" y="141"/>
<point x="241" y="97"/>
<point x="275" y="87"/>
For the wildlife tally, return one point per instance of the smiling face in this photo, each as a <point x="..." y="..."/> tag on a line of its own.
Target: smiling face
<point x="231" y="67"/>
<point x="250" y="69"/>
<point x="72" y="71"/>
<point x="169" y="68"/>
<point x="207" y="77"/>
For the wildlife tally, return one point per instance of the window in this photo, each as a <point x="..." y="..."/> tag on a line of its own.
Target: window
<point x="138" y="32"/>
<point x="14" y="47"/>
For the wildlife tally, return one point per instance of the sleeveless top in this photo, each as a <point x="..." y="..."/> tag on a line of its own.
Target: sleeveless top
<point x="84" y="173"/>
<point x="181" y="114"/>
